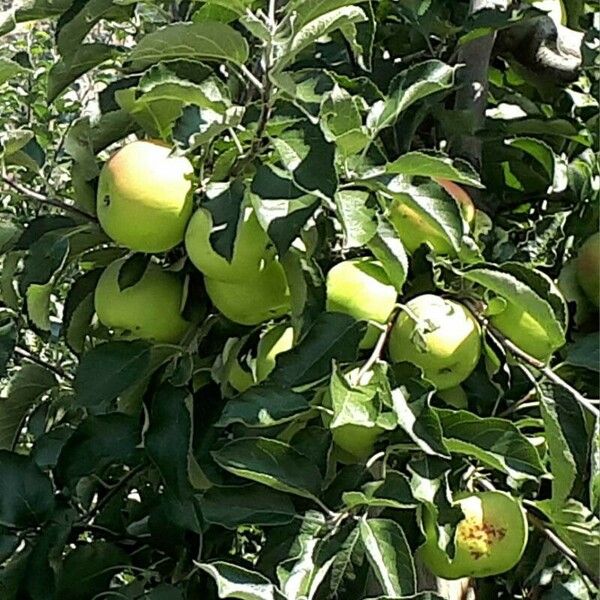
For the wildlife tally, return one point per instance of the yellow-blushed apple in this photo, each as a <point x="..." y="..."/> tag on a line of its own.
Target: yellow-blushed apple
<point x="461" y="196"/>
<point x="144" y="198"/>
<point x="149" y="309"/>
<point x="439" y="336"/>
<point x="523" y="330"/>
<point x="361" y="288"/>
<point x="277" y="340"/>
<point x="264" y="295"/>
<point x="490" y="539"/>
<point x="588" y="268"/>
<point x="250" y="250"/>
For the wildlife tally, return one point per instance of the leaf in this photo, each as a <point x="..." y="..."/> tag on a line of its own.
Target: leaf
<point x="98" y="442"/>
<point x="420" y="422"/>
<point x="497" y="443"/>
<point x="8" y="340"/>
<point x="409" y="87"/>
<point x="565" y="427"/>
<point x="389" y="555"/>
<point x="65" y="72"/>
<point x="344" y="567"/>
<point x="356" y="217"/>
<point x="436" y="166"/>
<point x="190" y="41"/>
<point x="26" y="495"/>
<point x="168" y="437"/>
<point x="332" y="336"/>
<point x="252" y="504"/>
<point x="121" y="363"/>
<point x="132" y="270"/>
<point x="10" y="69"/>
<point x="263" y="406"/>
<point x="24" y="389"/>
<point x="387" y="246"/>
<point x="88" y="570"/>
<point x="236" y="582"/>
<point x="585" y="352"/>
<point x="392" y="492"/>
<point x="272" y="463"/>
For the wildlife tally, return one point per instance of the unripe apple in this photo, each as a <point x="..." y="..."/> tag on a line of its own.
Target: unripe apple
<point x="455" y="397"/>
<point x="263" y="296"/>
<point x="249" y="253"/>
<point x="361" y="289"/>
<point x="588" y="268"/>
<point x="149" y="309"/>
<point x="357" y="441"/>
<point x="489" y="540"/>
<point x="277" y="340"/>
<point x="522" y="329"/>
<point x="144" y="199"/>
<point x="444" y="341"/>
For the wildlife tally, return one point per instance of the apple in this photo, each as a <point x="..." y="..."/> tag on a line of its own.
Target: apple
<point x="463" y="199"/>
<point x="149" y="309"/>
<point x="455" y="397"/>
<point x="249" y="253"/>
<point x="277" y="340"/>
<point x="588" y="268"/>
<point x="144" y="198"/>
<point x="522" y="329"/>
<point x="357" y="442"/>
<point x="263" y="296"/>
<point x="361" y="288"/>
<point x="444" y="341"/>
<point x="489" y="540"/>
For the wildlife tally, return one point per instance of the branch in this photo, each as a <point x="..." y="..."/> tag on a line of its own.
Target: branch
<point x="23" y="353"/>
<point x="42" y="199"/>
<point x="545" y="48"/>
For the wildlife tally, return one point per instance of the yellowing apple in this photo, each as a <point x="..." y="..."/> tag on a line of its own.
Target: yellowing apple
<point x="144" y="199"/>
<point x="588" y="268"/>
<point x="489" y="540"/>
<point x="277" y="340"/>
<point x="149" y="309"/>
<point x="465" y="203"/>
<point x="263" y="296"/>
<point x="439" y="336"/>
<point x="249" y="254"/>
<point x="523" y="330"/>
<point x="362" y="289"/>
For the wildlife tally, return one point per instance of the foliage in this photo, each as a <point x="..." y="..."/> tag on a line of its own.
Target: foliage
<point x="131" y="469"/>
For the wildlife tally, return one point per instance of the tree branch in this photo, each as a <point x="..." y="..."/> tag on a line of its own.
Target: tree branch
<point x="23" y="353"/>
<point x="42" y="199"/>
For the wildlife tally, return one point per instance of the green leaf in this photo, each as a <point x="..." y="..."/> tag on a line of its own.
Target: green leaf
<point x="495" y="442"/>
<point x="584" y="352"/>
<point x="263" y="406"/>
<point x="121" y="363"/>
<point x="332" y="336"/>
<point x="10" y="69"/>
<point x="26" y="496"/>
<point x="272" y="463"/>
<point x="98" y="442"/>
<point x="168" y="437"/>
<point x="565" y="427"/>
<point x="65" y="72"/>
<point x="358" y="220"/>
<point x="389" y="555"/>
<point x="192" y="42"/>
<point x="236" y="582"/>
<point x="251" y="504"/>
<point x="23" y="391"/>
<point x="88" y="570"/>
<point x="387" y="246"/>
<point x="8" y="340"/>
<point x="392" y="492"/>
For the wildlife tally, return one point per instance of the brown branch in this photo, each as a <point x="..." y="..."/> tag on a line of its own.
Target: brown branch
<point x="43" y="199"/>
<point x="23" y="353"/>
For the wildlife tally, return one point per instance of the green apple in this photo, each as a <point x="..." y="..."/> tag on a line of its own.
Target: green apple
<point x="362" y="289"/>
<point x="439" y="336"/>
<point x="263" y="296"/>
<point x="249" y="254"/>
<point x="455" y="397"/>
<point x="588" y="268"/>
<point x="523" y="330"/>
<point x="149" y="309"/>
<point x="489" y="540"/>
<point x="356" y="441"/>
<point x="277" y="340"/>
<point x="144" y="199"/>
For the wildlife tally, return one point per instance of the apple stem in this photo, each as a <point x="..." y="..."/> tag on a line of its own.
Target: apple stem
<point x="41" y="198"/>
<point x="379" y="346"/>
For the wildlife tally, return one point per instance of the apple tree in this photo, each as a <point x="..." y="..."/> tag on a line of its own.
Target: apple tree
<point x="299" y="299"/>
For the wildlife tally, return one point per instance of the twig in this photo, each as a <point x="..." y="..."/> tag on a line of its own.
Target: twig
<point x="45" y="199"/>
<point x="252" y="78"/>
<point x="379" y="346"/>
<point x="23" y="353"/>
<point x="563" y="548"/>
